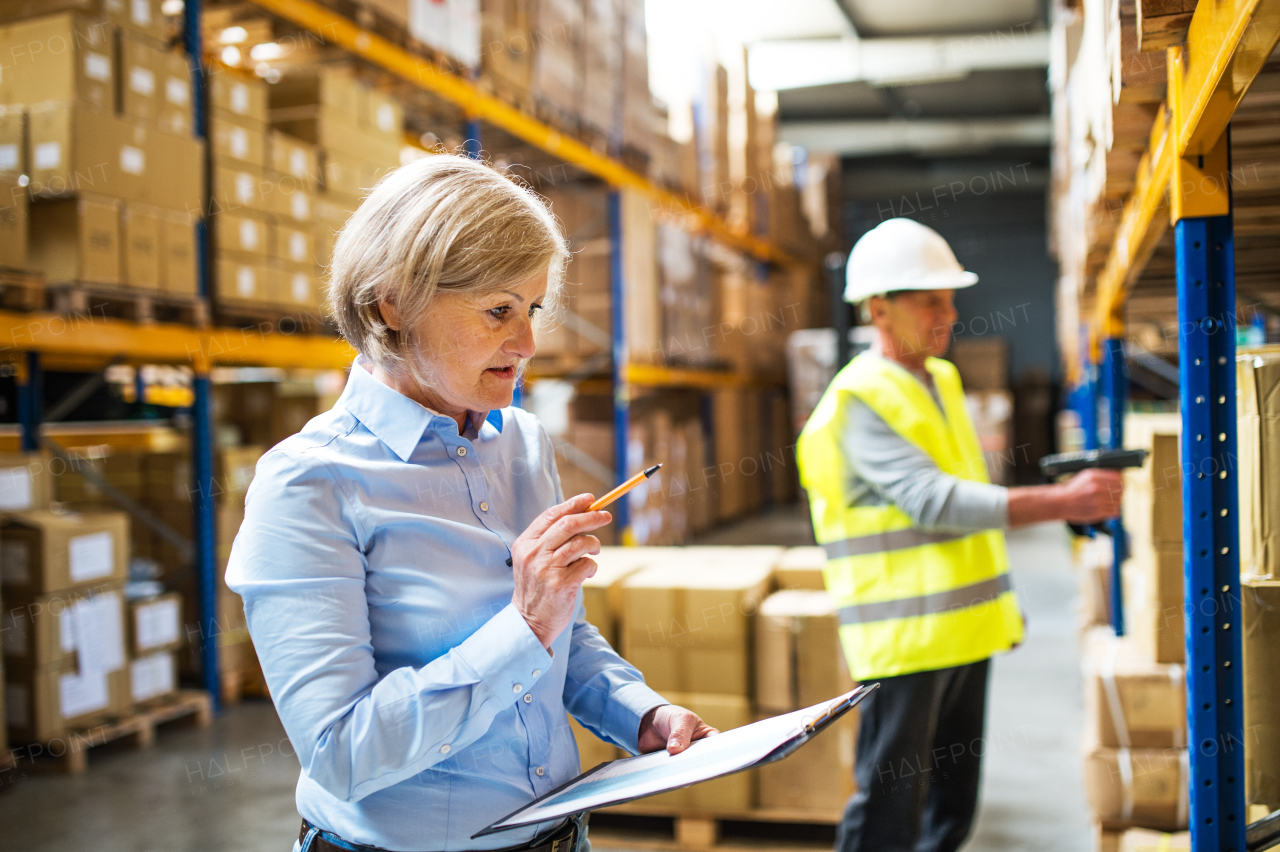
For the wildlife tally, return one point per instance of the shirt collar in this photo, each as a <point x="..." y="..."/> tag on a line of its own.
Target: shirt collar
<point x="396" y="420"/>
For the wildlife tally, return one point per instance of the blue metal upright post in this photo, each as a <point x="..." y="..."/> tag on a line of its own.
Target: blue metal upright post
<point x="1210" y="530"/>
<point x="621" y="392"/>
<point x="1116" y="381"/>
<point x="206" y="561"/>
<point x="472" y="145"/>
<point x="30" y="402"/>
<point x="1089" y="405"/>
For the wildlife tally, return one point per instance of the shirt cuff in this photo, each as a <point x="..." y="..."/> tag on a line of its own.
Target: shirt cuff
<point x="506" y="655"/>
<point x="624" y="711"/>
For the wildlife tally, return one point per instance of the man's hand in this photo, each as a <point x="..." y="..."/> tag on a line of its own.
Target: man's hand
<point x="672" y="728"/>
<point x="1093" y="495"/>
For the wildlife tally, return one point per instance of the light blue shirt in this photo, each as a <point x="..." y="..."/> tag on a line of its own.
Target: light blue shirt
<point x="373" y="566"/>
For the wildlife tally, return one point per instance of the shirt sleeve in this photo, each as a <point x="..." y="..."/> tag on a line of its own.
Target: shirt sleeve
<point x="904" y="475"/>
<point x="299" y="565"/>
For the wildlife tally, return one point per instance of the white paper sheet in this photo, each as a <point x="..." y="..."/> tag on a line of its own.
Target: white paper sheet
<point x="156" y="624"/>
<point x="92" y="556"/>
<point x="15" y="489"/>
<point x="84" y="692"/>
<point x="99" y="633"/>
<point x="151" y="676"/>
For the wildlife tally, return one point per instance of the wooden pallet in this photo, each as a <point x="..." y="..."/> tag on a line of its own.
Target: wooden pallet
<point x="136" y="728"/>
<point x="639" y="826"/>
<point x="21" y="290"/>
<point x="141" y="306"/>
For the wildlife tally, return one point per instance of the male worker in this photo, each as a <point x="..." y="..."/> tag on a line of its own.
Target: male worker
<point x="904" y="508"/>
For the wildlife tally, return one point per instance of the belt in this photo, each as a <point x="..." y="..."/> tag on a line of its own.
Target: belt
<point x="559" y="839"/>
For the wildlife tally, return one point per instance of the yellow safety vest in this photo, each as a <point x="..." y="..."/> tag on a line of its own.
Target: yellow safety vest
<point x="909" y="599"/>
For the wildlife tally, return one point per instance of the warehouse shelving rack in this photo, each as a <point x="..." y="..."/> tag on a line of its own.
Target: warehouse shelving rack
<point x="35" y="342"/>
<point x="1185" y="175"/>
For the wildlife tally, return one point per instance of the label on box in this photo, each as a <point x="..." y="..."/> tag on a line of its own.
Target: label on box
<point x="132" y="160"/>
<point x="238" y="140"/>
<point x="66" y="631"/>
<point x="177" y="91"/>
<point x="300" y="205"/>
<point x="245" y="186"/>
<point x="240" y="98"/>
<point x="246" y="283"/>
<point x="97" y="67"/>
<point x="298" y="162"/>
<point x="151" y="676"/>
<point x="157" y="624"/>
<point x="301" y="287"/>
<point x="140" y="11"/>
<point x="386" y="118"/>
<point x="15" y="489"/>
<point x="8" y="158"/>
<point x="298" y="247"/>
<point x="99" y="633"/>
<point x="17" y="706"/>
<point x="14" y="632"/>
<point x="142" y="81"/>
<point x="92" y="556"/>
<point x="15" y="563"/>
<point x="248" y="234"/>
<point x="82" y="693"/>
<point x="48" y="155"/>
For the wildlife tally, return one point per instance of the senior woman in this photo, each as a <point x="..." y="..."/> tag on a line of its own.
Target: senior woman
<point x="410" y="571"/>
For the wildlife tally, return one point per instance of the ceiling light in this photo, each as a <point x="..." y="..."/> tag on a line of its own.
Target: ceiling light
<point x="266" y="51"/>
<point x="231" y="55"/>
<point x="233" y="35"/>
<point x="171" y="7"/>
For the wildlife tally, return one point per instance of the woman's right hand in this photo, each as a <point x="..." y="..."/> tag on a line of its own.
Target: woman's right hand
<point x="550" y="560"/>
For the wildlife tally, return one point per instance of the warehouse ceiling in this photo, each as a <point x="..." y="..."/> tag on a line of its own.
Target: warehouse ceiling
<point x="922" y="77"/>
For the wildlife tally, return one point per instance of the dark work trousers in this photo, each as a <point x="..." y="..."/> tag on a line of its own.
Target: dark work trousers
<point x="918" y="763"/>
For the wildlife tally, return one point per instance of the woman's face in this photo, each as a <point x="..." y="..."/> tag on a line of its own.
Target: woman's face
<point x="473" y="344"/>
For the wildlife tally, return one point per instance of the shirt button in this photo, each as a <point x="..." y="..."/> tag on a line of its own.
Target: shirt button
<point x="462" y="451"/>
<point x="537" y="672"/>
<point x="541" y="770"/>
<point x="528" y="699"/>
<point x="484" y="507"/>
<point x="517" y="687"/>
<point x="444" y="749"/>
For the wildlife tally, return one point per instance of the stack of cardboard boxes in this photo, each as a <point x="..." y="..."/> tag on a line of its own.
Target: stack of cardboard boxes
<point x="115" y="177"/>
<point x="1136" y="764"/>
<point x="983" y="363"/>
<point x="707" y="631"/>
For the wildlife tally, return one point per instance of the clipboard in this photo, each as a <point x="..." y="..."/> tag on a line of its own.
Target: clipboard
<point x="644" y="775"/>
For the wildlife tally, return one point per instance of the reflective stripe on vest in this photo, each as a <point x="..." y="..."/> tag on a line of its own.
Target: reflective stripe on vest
<point x="965" y="596"/>
<point x="882" y="542"/>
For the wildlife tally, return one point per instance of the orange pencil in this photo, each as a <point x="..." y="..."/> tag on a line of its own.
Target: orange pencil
<point x="623" y="488"/>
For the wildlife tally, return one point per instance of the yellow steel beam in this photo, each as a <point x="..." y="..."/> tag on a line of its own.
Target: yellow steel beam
<point x="83" y="340"/>
<point x="652" y="375"/>
<point x="427" y="75"/>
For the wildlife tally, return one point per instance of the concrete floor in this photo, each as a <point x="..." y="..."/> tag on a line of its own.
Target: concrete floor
<point x="230" y="788"/>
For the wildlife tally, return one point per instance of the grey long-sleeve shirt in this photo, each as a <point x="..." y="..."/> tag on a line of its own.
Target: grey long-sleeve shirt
<point x="885" y="468"/>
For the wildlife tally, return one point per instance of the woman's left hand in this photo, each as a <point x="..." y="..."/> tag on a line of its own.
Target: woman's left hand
<point x="672" y="728"/>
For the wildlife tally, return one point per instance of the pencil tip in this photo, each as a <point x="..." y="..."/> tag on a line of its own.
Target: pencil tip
<point x="651" y="471"/>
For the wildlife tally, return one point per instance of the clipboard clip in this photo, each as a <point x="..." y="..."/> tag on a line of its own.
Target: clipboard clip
<point x="835" y="708"/>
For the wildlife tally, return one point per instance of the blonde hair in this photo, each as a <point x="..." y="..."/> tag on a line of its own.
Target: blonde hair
<point x="441" y="223"/>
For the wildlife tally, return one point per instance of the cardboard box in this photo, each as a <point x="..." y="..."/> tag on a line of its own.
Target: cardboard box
<point x="602" y="594"/>
<point x="155" y="624"/>
<point x="735" y="792"/>
<point x="239" y="139"/>
<point x="25" y="482"/>
<point x="43" y="704"/>
<point x="1095" y="557"/>
<point x="74" y="149"/>
<point x="141" y="84"/>
<point x="688" y="621"/>
<point x="294" y="159"/>
<point x="153" y="676"/>
<point x="242" y="96"/>
<point x="818" y="778"/>
<point x="244" y="278"/>
<point x="179" y="272"/>
<point x="1131" y="701"/>
<point x="43" y="552"/>
<point x="62" y="57"/>
<point x="14" y="219"/>
<point x="1146" y="840"/>
<point x="1258" y="442"/>
<point x="141" y="16"/>
<point x="13" y="139"/>
<point x="238" y="188"/>
<point x="1143" y="786"/>
<point x="799" y="662"/>
<point x="77" y="239"/>
<point x="1260" y="619"/>
<point x="1152" y="502"/>
<point x="592" y="751"/>
<point x="1154" y="605"/>
<point x="245" y="232"/>
<point x="291" y="201"/>
<point x="1106" y="840"/>
<point x="177" y="176"/>
<point x="142" y="246"/>
<point x="175" y="109"/>
<point x="52" y="630"/>
<point x="801" y="568"/>
<point x="298" y="284"/>
<point x="294" y="245"/>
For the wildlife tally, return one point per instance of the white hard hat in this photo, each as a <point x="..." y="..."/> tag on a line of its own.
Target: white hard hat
<point x="902" y="254"/>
